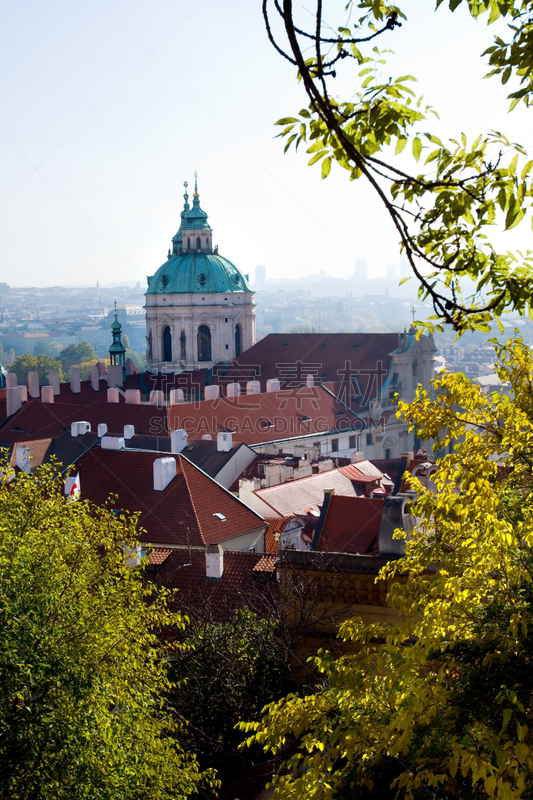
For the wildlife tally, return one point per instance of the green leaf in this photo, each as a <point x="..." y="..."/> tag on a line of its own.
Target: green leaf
<point x="400" y="144"/>
<point x="326" y="167"/>
<point x="417" y="148"/>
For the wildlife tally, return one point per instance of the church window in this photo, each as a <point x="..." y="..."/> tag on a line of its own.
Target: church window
<point x="227" y="347"/>
<point x="183" y="340"/>
<point x="387" y="452"/>
<point x="226" y="319"/>
<point x="198" y="243"/>
<point x="202" y="278"/>
<point x="238" y="344"/>
<point x="167" y="344"/>
<point x="188" y="243"/>
<point x="204" y="343"/>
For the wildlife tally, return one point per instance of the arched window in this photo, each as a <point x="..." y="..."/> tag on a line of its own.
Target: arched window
<point x="167" y="344"/>
<point x="204" y="343"/>
<point x="188" y="243"/>
<point x="198" y="243"/>
<point x="238" y="345"/>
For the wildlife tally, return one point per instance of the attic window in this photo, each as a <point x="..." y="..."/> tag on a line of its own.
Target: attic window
<point x="219" y="516"/>
<point x="202" y="278"/>
<point x="164" y="280"/>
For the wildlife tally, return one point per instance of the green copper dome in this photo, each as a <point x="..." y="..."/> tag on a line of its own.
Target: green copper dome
<point x="193" y="265"/>
<point x="199" y="273"/>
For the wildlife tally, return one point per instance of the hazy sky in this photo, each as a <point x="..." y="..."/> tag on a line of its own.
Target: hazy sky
<point x="107" y="107"/>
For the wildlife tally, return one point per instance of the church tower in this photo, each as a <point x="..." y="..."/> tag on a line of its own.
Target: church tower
<point x="199" y="308"/>
<point x="117" y="351"/>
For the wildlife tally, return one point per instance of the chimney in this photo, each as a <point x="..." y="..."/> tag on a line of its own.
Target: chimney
<point x="53" y="380"/>
<point x="114" y="376"/>
<point x="224" y="442"/>
<point x="273" y="385"/>
<point x="22" y="455"/>
<point x="33" y="384"/>
<point x="164" y="472"/>
<point x="112" y="443"/>
<point x="207" y="437"/>
<point x="214" y="562"/>
<point x="102" y="430"/>
<point x="11" y="380"/>
<point x="129" y="432"/>
<point x="253" y="387"/>
<point x="233" y="390"/>
<point x="178" y="440"/>
<point x="310" y="381"/>
<point x="79" y="428"/>
<point x="176" y="396"/>
<point x="211" y="392"/>
<point x="47" y="394"/>
<point x="157" y="398"/>
<point x="328" y="494"/>
<point x="13" y="400"/>
<point x="113" y="395"/>
<point x="75" y="386"/>
<point x="95" y="379"/>
<point x="133" y="397"/>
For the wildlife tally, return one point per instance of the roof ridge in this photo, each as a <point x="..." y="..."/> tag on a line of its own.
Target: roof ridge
<point x="223" y="488"/>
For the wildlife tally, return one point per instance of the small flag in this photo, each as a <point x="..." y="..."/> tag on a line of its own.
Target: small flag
<point x="72" y="487"/>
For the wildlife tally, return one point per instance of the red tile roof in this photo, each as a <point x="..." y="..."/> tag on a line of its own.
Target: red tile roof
<point x="252" y="419"/>
<point x="200" y="598"/>
<point x="352" y="525"/>
<point x="266" y="417"/>
<point x="354" y="362"/>
<point x="181" y="515"/>
<point x="37" y="420"/>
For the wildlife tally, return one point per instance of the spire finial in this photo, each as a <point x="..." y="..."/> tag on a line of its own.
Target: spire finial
<point x="196" y="184"/>
<point x="186" y="197"/>
<point x="115" y="309"/>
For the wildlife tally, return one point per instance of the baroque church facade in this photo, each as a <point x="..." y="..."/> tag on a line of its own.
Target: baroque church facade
<point x="199" y="308"/>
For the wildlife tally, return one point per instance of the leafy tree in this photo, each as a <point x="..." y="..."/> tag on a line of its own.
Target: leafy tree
<point x="82" y="671"/>
<point x="443" y="706"/>
<point x="126" y="341"/>
<point x="47" y="348"/>
<point x="21" y="365"/>
<point x="231" y="672"/>
<point x="77" y="354"/>
<point x="442" y="210"/>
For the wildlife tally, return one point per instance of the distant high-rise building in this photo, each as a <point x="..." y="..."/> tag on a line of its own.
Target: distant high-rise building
<point x="361" y="269"/>
<point x="260" y="276"/>
<point x="405" y="269"/>
<point x="392" y="272"/>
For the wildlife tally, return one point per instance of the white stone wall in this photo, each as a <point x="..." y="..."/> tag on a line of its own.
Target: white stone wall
<point x="221" y="312"/>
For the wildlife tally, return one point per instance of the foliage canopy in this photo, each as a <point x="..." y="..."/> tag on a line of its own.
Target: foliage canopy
<point x="444" y="206"/>
<point x="82" y="669"/>
<point x="444" y="706"/>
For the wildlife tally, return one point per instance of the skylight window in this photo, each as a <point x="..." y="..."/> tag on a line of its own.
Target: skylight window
<point x="219" y="516"/>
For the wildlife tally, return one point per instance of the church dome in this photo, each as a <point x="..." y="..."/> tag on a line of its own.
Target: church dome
<point x="193" y="265"/>
<point x="196" y="273"/>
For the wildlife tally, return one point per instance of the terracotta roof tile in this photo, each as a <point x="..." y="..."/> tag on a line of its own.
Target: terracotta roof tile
<point x="183" y="514"/>
<point x="351" y="361"/>
<point x="352" y="525"/>
<point x="265" y="417"/>
<point x="266" y="564"/>
<point x="205" y="599"/>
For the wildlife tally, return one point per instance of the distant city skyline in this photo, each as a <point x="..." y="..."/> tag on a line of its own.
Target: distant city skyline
<point x="94" y="149"/>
